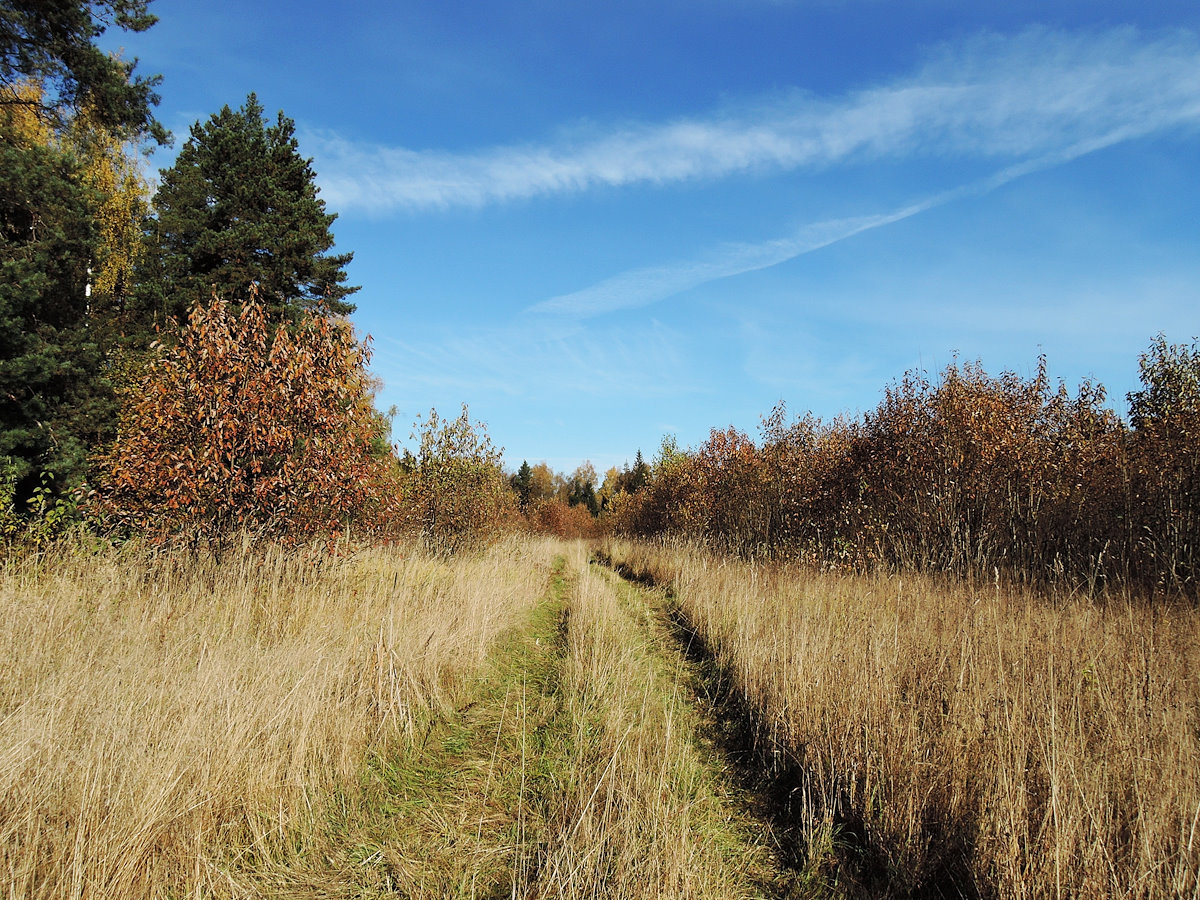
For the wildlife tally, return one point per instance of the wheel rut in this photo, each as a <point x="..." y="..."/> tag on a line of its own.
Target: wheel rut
<point x="763" y="783"/>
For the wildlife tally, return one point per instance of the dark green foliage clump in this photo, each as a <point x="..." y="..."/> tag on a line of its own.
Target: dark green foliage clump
<point x="522" y="484"/>
<point x="50" y="42"/>
<point x="238" y="208"/>
<point x="52" y="403"/>
<point x="55" y="400"/>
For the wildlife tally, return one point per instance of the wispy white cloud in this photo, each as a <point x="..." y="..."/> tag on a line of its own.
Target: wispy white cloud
<point x="991" y="97"/>
<point x="514" y="361"/>
<point x="641" y="287"/>
<point x="1097" y="311"/>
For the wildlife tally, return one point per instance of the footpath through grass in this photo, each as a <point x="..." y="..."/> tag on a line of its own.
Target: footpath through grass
<point x="650" y="810"/>
<point x="578" y="767"/>
<point x="465" y="814"/>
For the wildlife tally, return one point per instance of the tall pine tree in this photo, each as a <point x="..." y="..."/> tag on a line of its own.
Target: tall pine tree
<point x="52" y="406"/>
<point x="522" y="483"/>
<point x="240" y="207"/>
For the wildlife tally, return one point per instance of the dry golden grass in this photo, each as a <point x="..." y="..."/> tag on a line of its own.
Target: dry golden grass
<point x="168" y="722"/>
<point x="964" y="741"/>
<point x="272" y="724"/>
<point x="574" y="772"/>
<point x="644" y="810"/>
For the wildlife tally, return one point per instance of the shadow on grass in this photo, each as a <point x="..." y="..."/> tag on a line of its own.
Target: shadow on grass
<point x="820" y="836"/>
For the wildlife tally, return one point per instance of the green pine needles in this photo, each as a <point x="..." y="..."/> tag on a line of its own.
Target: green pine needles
<point x="240" y="207"/>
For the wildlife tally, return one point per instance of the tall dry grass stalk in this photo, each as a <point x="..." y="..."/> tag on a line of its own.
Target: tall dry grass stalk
<point x="964" y="741"/>
<point x="166" y="721"/>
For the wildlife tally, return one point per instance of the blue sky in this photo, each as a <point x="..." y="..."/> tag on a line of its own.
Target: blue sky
<point x="600" y="223"/>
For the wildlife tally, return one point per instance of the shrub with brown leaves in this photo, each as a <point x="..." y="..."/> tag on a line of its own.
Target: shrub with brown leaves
<point x="240" y="426"/>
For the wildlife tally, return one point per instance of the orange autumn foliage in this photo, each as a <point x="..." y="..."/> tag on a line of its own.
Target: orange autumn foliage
<point x="558" y="518"/>
<point x="966" y="473"/>
<point x="238" y="425"/>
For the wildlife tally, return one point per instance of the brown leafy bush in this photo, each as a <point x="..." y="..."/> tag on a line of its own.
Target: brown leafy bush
<point x="238" y="426"/>
<point x="555" y="517"/>
<point x="670" y="502"/>
<point x="976" y="471"/>
<point x="969" y="473"/>
<point x="1165" y="453"/>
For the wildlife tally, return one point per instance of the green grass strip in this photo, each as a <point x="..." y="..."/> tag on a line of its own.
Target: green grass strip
<point x="462" y="813"/>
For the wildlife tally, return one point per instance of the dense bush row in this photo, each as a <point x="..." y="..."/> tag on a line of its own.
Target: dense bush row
<point x="238" y="426"/>
<point x="968" y="473"/>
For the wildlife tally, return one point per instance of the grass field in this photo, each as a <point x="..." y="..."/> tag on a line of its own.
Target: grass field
<point x="937" y="738"/>
<point x="525" y="722"/>
<point x="175" y="726"/>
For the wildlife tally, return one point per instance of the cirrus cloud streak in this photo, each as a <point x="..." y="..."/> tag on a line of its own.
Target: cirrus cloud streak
<point x="992" y="97"/>
<point x="643" y="286"/>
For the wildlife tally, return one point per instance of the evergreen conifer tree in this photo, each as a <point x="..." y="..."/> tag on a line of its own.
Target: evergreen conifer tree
<point x="522" y="483"/>
<point x="55" y="402"/>
<point x="240" y="207"/>
<point x="50" y="43"/>
<point x="640" y="474"/>
<point x="52" y="404"/>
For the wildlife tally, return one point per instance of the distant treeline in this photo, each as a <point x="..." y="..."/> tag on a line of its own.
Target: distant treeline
<point x="967" y="473"/>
